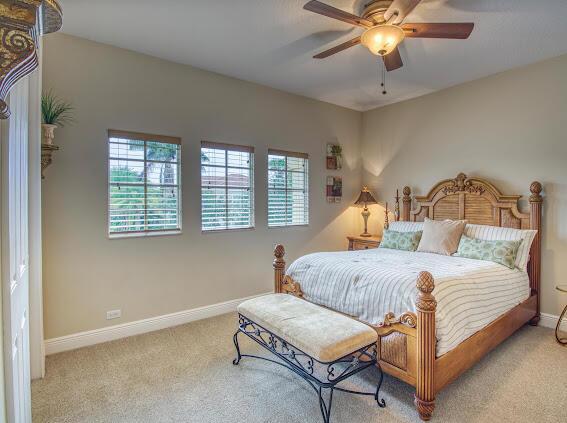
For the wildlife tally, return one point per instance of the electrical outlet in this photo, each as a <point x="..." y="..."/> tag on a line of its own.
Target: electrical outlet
<point x="113" y="314"/>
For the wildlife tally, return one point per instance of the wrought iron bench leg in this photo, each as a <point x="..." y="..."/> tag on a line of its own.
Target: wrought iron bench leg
<point x="381" y="402"/>
<point x="325" y="407"/>
<point x="238" y="355"/>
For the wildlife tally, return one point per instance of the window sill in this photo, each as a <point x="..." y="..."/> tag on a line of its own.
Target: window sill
<point x="143" y="234"/>
<point x="220" y="231"/>
<point x="299" y="225"/>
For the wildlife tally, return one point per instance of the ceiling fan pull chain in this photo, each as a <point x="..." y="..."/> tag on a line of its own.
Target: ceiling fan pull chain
<point x="383" y="83"/>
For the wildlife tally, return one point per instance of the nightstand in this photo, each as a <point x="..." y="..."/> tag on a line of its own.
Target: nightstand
<point x="363" y="243"/>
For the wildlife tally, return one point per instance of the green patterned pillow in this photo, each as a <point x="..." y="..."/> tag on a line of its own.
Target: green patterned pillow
<point x="407" y="241"/>
<point x="502" y="252"/>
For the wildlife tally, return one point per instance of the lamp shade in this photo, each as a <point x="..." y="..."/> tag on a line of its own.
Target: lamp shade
<point x="382" y="39"/>
<point x="365" y="197"/>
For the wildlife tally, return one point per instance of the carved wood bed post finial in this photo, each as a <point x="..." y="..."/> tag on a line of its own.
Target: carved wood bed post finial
<point x="425" y="306"/>
<point x="406" y="204"/>
<point x="536" y="201"/>
<point x="279" y="267"/>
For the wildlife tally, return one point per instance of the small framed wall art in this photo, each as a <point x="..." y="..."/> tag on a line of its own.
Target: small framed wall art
<point x="334" y="156"/>
<point x="334" y="189"/>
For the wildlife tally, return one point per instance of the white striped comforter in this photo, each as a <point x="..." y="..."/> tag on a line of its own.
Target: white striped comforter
<point x="369" y="283"/>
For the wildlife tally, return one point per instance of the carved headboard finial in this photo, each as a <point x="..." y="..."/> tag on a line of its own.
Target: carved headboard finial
<point x="463" y="184"/>
<point x="460" y="181"/>
<point x="279" y="251"/>
<point x="535" y="189"/>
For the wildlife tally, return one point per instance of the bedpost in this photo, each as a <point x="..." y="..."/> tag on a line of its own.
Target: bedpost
<point x="406" y="204"/>
<point x="425" y="387"/>
<point x="534" y="270"/>
<point x="279" y="267"/>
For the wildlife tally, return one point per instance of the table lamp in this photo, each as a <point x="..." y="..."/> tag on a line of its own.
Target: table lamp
<point x="365" y="198"/>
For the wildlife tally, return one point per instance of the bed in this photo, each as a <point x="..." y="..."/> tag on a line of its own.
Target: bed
<point x="435" y="315"/>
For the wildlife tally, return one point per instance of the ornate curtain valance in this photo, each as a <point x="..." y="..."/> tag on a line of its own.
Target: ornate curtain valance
<point x="21" y="23"/>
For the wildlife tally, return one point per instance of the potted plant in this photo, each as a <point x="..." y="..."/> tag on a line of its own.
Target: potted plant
<point x="54" y="113"/>
<point x="337" y="152"/>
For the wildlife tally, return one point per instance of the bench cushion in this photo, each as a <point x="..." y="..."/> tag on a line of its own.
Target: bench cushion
<point x="323" y="334"/>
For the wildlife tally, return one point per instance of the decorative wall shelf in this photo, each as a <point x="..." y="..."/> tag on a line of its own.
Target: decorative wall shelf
<point x="19" y="32"/>
<point x="46" y="156"/>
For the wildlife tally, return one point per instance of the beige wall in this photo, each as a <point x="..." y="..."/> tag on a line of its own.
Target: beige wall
<point x="510" y="128"/>
<point x="85" y="274"/>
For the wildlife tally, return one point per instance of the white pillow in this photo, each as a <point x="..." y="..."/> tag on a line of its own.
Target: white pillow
<point x="495" y="233"/>
<point x="441" y="236"/>
<point x="406" y="226"/>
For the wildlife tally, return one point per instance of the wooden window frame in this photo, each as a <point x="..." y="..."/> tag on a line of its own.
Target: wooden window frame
<point x="145" y="137"/>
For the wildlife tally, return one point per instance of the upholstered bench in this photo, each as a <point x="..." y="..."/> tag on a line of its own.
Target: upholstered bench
<point x="320" y="345"/>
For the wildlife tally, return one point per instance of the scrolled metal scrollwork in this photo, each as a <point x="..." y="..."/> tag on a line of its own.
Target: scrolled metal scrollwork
<point x="277" y="345"/>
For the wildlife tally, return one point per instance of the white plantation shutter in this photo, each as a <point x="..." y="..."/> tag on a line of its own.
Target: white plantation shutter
<point x="227" y="186"/>
<point x="288" y="193"/>
<point x="144" y="183"/>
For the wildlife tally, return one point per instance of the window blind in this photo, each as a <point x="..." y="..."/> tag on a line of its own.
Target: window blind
<point x="227" y="186"/>
<point x="144" y="183"/>
<point x="288" y="196"/>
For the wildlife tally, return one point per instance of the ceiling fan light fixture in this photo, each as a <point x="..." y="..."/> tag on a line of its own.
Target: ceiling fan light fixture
<point x="382" y="39"/>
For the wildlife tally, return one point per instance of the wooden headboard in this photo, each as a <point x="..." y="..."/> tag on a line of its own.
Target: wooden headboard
<point x="480" y="202"/>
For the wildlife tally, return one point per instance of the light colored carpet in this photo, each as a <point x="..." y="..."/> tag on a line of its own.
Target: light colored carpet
<point x="185" y="374"/>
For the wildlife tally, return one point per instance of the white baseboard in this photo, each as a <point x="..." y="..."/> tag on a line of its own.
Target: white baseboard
<point x="550" y="321"/>
<point x="110" y="333"/>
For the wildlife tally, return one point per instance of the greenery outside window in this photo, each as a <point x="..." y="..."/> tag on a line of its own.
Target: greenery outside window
<point x="144" y="190"/>
<point x="288" y="188"/>
<point x="227" y="186"/>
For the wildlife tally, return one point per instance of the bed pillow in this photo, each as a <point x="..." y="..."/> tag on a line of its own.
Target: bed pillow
<point x="441" y="237"/>
<point x="407" y="241"/>
<point x="494" y="233"/>
<point x="402" y="226"/>
<point x="500" y="251"/>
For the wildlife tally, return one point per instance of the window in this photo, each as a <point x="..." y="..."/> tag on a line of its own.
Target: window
<point x="144" y="183"/>
<point x="288" y="196"/>
<point x="227" y="186"/>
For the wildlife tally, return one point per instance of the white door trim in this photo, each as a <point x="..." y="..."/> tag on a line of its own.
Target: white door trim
<point x="37" y="349"/>
<point x="15" y="257"/>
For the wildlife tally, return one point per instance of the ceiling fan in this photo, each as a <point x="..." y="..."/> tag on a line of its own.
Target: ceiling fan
<point x="385" y="30"/>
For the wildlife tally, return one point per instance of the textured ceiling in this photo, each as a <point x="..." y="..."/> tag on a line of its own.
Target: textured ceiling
<point x="271" y="42"/>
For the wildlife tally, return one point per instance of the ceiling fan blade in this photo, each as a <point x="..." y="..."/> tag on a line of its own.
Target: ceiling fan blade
<point x="393" y="60"/>
<point x="336" y="49"/>
<point x="438" y="30"/>
<point x="333" y="12"/>
<point x="400" y="8"/>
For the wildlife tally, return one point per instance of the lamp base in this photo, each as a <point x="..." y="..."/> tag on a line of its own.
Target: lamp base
<point x="365" y="213"/>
